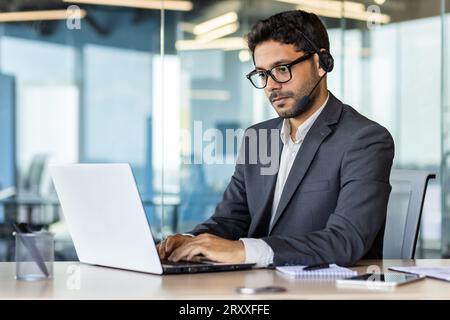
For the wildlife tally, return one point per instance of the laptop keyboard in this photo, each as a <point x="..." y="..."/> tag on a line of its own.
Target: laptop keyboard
<point x="183" y="263"/>
<point x="170" y="267"/>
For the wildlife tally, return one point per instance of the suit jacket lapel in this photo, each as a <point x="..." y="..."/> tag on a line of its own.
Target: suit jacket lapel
<point x="318" y="132"/>
<point x="269" y="183"/>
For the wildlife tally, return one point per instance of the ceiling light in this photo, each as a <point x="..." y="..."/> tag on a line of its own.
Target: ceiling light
<point x="215" y="23"/>
<point x="186" y="27"/>
<point x="227" y="44"/>
<point x="337" y="9"/>
<point x="244" y="56"/>
<point x="218" y="33"/>
<point x="19" y="16"/>
<point x="142" y="4"/>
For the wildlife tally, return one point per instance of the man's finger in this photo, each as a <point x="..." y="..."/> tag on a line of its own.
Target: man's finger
<point x="186" y="248"/>
<point x="195" y="252"/>
<point x="170" y="244"/>
<point x="181" y="252"/>
<point x="176" y="253"/>
<point x="161" y="250"/>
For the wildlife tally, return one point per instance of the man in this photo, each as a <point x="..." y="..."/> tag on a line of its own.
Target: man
<point x="327" y="203"/>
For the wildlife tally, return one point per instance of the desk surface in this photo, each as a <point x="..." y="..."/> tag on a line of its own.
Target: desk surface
<point x="79" y="281"/>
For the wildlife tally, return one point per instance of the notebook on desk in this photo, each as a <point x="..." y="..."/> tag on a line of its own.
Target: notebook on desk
<point x="332" y="272"/>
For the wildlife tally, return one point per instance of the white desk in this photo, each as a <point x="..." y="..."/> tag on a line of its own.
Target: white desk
<point x="78" y="281"/>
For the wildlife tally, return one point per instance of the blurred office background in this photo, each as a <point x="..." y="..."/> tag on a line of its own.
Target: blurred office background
<point x="131" y="80"/>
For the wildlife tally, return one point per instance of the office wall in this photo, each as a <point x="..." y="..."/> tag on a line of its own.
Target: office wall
<point x="7" y="134"/>
<point x="7" y="131"/>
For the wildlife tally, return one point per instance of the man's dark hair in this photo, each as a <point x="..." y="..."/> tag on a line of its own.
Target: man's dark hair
<point x="287" y="28"/>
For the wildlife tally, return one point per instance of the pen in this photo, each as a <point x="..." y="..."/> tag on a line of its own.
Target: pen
<point x="316" y="266"/>
<point x="31" y="246"/>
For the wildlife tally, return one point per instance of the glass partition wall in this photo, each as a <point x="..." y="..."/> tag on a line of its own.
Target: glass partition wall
<point x="161" y="85"/>
<point x="85" y="91"/>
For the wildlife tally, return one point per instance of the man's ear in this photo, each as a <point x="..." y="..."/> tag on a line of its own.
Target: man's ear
<point x="318" y="68"/>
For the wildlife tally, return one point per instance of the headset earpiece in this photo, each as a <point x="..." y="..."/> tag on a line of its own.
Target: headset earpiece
<point x="326" y="61"/>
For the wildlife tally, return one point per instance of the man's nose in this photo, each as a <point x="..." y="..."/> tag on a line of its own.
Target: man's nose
<point x="272" y="84"/>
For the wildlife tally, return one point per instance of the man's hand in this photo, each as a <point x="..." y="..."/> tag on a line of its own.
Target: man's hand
<point x="166" y="247"/>
<point x="211" y="247"/>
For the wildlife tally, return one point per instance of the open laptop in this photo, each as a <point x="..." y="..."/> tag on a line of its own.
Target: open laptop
<point x="107" y="221"/>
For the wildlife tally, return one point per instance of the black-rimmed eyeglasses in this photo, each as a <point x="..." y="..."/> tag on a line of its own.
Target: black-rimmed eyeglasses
<point x="281" y="73"/>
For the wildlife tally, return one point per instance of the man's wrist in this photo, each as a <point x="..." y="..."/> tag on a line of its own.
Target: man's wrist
<point x="241" y="251"/>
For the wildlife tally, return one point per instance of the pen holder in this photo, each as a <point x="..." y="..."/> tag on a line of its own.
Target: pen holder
<point x="34" y="255"/>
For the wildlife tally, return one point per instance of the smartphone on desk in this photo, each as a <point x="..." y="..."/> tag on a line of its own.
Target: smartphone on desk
<point x="378" y="280"/>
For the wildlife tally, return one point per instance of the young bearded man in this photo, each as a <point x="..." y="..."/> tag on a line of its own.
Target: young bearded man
<point x="327" y="201"/>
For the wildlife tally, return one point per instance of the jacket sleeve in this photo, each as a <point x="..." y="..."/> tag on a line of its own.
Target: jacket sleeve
<point x="360" y="211"/>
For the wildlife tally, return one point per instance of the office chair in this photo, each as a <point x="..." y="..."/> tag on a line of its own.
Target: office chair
<point x="404" y="212"/>
<point x="33" y="178"/>
<point x="198" y="199"/>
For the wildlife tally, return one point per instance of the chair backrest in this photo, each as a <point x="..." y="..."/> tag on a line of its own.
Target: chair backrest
<point x="32" y="180"/>
<point x="404" y="212"/>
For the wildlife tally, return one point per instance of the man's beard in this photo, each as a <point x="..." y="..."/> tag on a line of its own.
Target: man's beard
<point x="297" y="109"/>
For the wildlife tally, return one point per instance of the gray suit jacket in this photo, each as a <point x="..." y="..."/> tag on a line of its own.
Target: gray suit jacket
<point x="333" y="205"/>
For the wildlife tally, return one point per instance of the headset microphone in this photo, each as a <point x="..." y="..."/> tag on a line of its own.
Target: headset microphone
<point x="326" y="62"/>
<point x="306" y="100"/>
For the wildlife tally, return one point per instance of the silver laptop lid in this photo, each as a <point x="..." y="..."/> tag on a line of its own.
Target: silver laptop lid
<point x="105" y="216"/>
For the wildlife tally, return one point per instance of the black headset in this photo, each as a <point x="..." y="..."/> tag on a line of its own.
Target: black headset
<point x="326" y="60"/>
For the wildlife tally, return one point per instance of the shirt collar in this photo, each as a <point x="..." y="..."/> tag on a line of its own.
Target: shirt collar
<point x="303" y="128"/>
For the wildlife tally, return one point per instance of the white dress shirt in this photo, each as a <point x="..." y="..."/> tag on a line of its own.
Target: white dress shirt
<point x="257" y="250"/>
